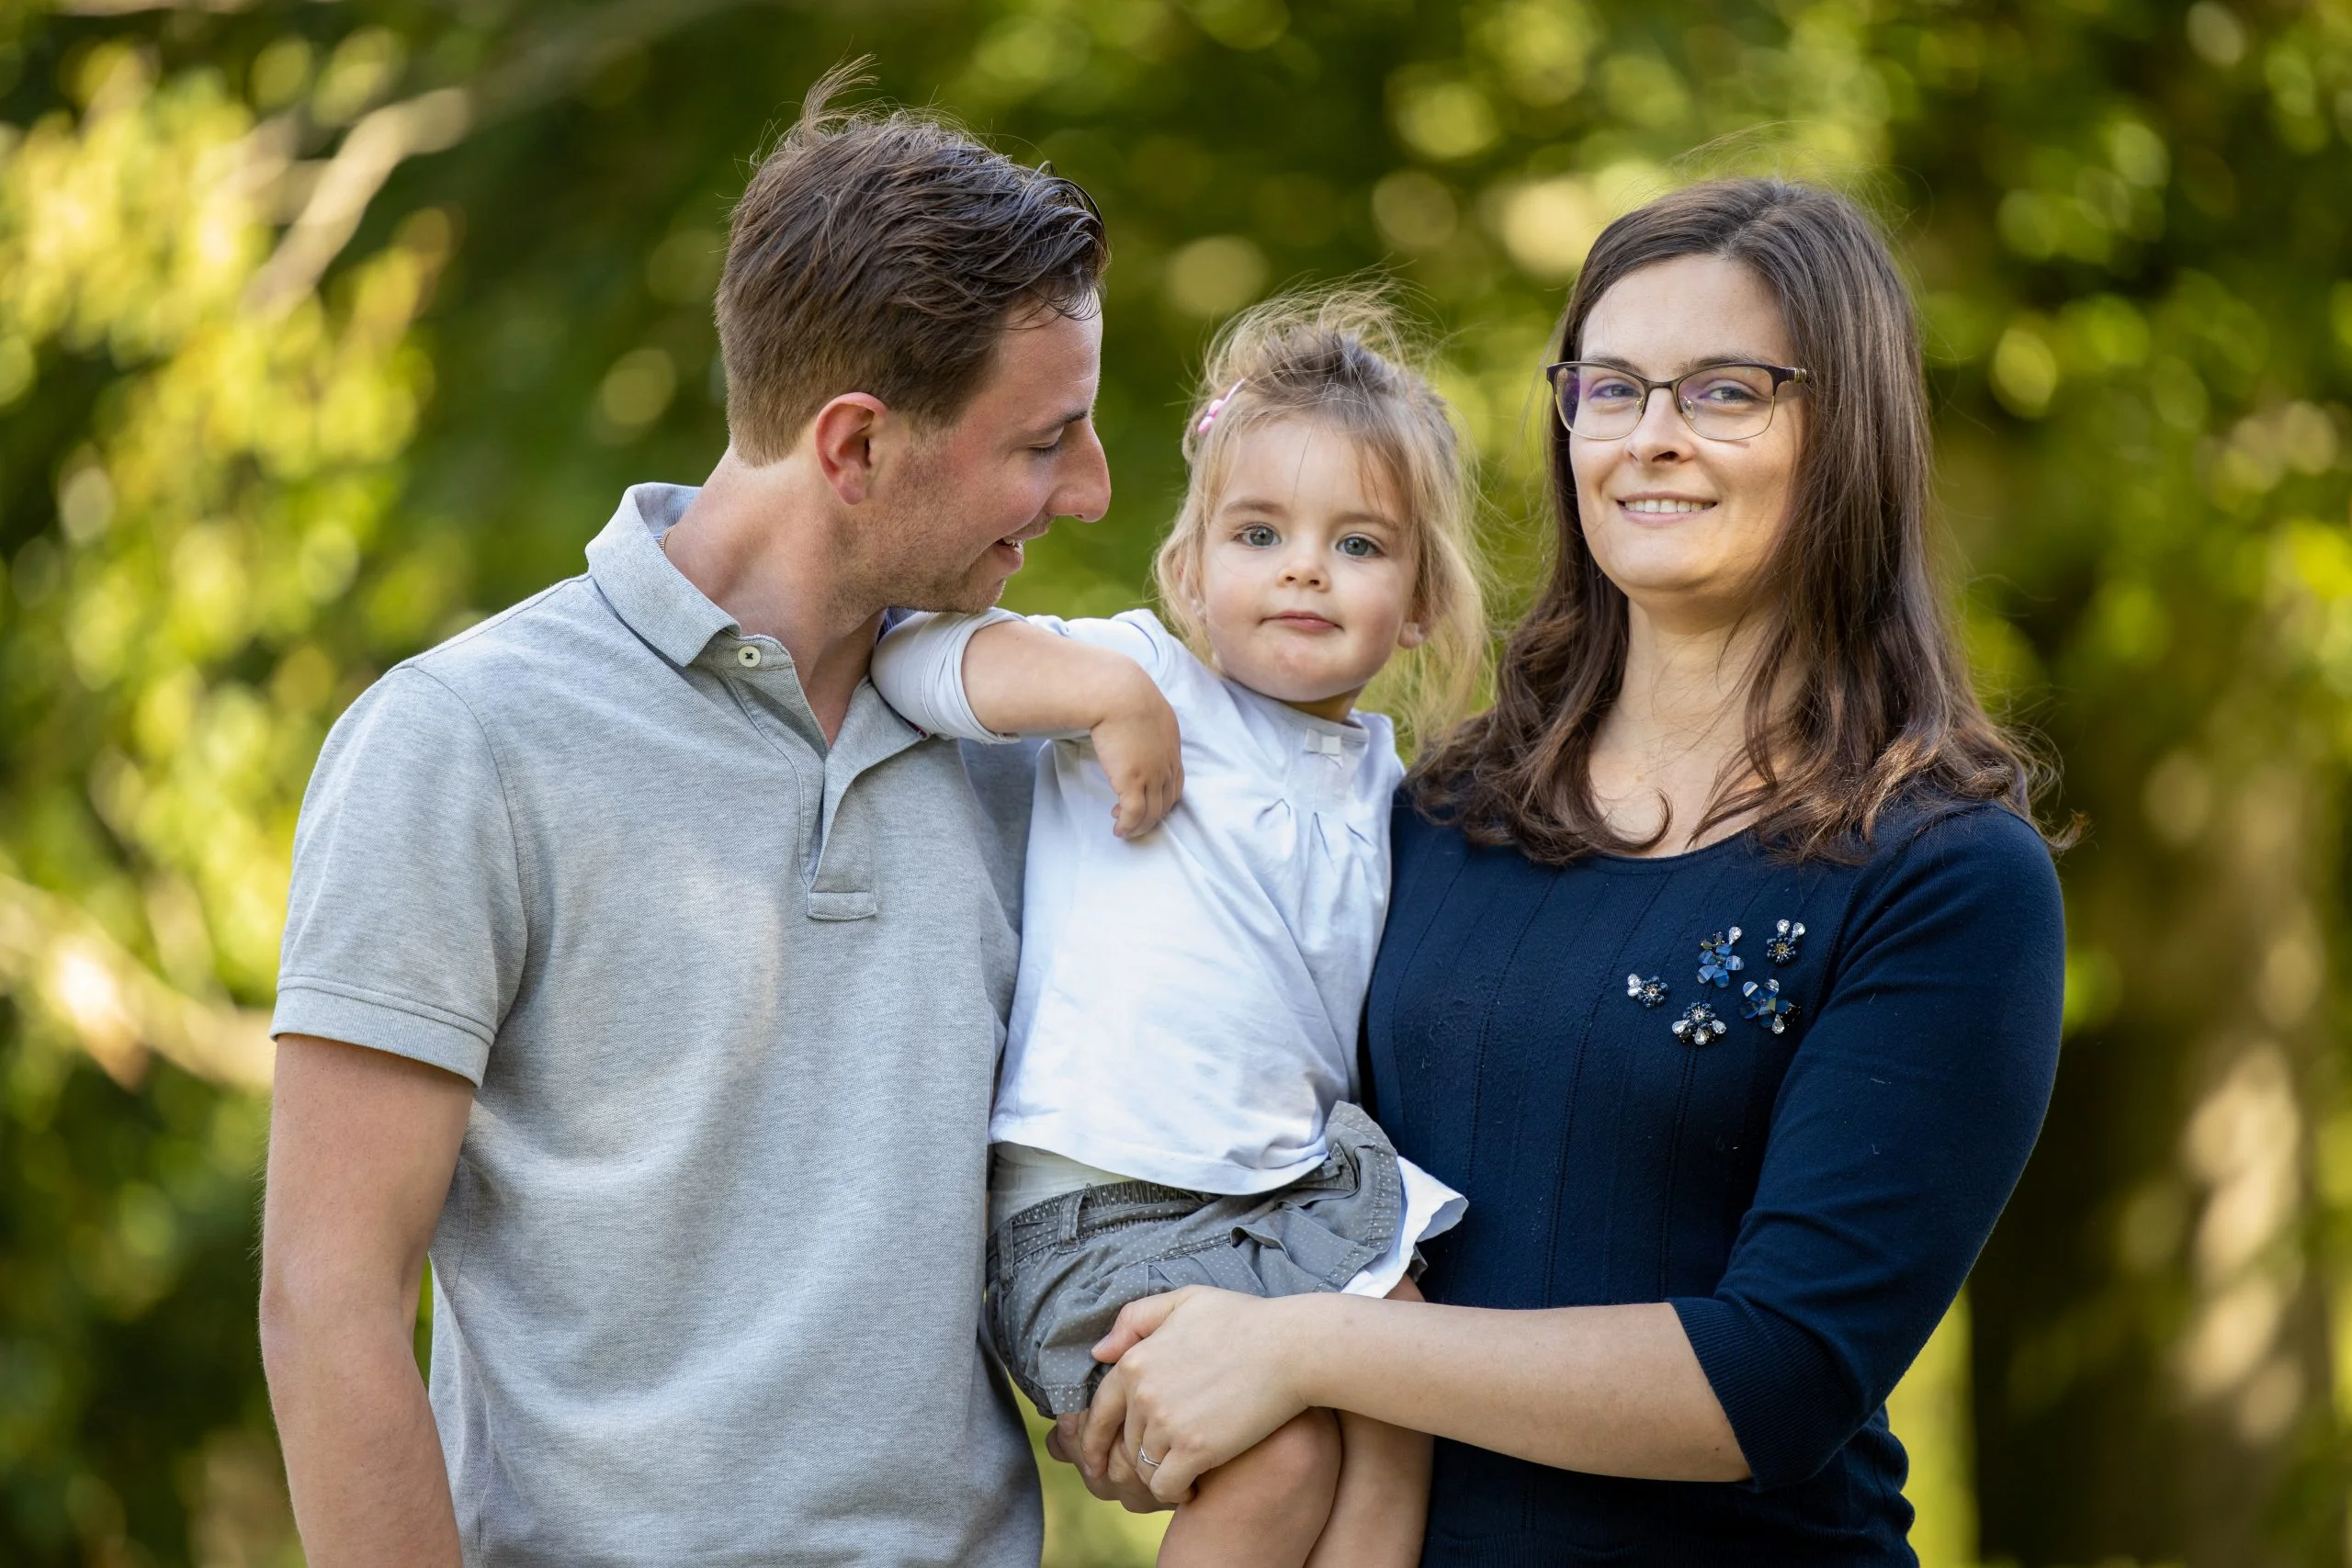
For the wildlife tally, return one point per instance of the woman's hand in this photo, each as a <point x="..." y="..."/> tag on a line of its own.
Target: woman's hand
<point x="1201" y="1376"/>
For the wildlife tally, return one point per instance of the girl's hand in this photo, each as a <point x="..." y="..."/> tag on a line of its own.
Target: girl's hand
<point x="1141" y="751"/>
<point x="1201" y="1376"/>
<point x="1066" y="1442"/>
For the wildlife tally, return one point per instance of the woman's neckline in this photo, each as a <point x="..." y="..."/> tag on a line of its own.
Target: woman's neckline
<point x="1659" y="864"/>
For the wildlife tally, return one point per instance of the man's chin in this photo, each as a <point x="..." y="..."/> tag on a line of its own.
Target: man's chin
<point x="965" y="596"/>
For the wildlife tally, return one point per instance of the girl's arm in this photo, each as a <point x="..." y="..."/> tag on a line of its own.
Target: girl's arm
<point x="1610" y="1390"/>
<point x="995" y="677"/>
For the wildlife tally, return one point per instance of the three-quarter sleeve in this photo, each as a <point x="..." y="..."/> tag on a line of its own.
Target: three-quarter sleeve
<point x="1909" y="1106"/>
<point x="406" y="927"/>
<point x="919" y="670"/>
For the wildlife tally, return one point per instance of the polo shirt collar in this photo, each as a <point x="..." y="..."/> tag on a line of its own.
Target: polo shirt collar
<point x="652" y="598"/>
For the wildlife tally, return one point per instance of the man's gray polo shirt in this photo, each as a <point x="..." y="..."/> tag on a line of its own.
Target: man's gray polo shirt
<point x="707" y="1285"/>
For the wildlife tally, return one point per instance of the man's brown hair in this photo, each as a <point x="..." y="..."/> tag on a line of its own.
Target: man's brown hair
<point x="884" y="253"/>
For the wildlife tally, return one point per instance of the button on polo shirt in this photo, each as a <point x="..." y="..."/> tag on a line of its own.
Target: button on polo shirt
<point x="707" y="1282"/>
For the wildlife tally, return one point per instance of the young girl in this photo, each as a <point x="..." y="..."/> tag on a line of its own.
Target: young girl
<point x="1176" y="1101"/>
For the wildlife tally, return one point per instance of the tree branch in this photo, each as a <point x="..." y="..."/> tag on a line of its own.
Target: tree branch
<point x="539" y="70"/>
<point x="56" y="957"/>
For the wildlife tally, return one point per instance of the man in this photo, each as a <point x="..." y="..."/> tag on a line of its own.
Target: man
<point x="648" y="971"/>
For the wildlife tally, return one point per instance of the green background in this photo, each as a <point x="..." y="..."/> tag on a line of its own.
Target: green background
<point x="325" y="328"/>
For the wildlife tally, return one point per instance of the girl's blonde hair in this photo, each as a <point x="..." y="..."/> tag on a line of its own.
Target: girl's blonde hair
<point x="1340" y="356"/>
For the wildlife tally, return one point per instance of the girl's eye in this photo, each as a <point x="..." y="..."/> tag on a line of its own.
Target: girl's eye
<point x="1257" y="536"/>
<point x="1357" y="546"/>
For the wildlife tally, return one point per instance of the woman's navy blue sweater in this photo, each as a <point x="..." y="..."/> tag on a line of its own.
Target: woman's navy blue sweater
<point x="1808" y="1201"/>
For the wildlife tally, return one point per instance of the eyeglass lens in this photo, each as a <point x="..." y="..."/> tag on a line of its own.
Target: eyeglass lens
<point x="1723" y="402"/>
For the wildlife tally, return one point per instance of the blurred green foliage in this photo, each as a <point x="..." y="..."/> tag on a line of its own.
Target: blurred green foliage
<point x="326" y="328"/>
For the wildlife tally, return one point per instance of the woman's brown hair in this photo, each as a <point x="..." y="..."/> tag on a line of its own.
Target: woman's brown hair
<point x="1859" y="697"/>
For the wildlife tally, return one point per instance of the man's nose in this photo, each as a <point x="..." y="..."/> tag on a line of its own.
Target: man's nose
<point x="1085" y="490"/>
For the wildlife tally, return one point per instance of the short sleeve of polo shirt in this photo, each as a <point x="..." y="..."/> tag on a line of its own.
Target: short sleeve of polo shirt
<point x="405" y="928"/>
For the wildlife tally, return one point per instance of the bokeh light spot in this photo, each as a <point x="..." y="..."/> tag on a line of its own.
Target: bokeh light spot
<point x="1444" y="119"/>
<point x="1215" y="277"/>
<point x="1414" y="210"/>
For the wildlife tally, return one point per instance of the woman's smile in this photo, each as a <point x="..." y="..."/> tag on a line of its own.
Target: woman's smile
<point x="1662" y="505"/>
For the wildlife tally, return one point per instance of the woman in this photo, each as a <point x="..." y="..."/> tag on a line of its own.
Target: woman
<point x="1722" y="970"/>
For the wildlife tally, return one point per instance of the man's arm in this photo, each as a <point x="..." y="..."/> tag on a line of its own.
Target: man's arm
<point x="362" y="1148"/>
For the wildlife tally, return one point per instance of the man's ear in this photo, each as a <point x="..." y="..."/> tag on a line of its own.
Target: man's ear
<point x="843" y="436"/>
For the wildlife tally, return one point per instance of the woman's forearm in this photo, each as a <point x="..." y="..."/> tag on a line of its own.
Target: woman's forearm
<point x="1609" y="1390"/>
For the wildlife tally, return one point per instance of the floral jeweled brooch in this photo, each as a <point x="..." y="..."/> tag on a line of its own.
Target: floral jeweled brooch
<point x="1766" y="1006"/>
<point x="1780" y="947"/>
<point x="1649" y="992"/>
<point x="1716" y="960"/>
<point x="1699" y="1024"/>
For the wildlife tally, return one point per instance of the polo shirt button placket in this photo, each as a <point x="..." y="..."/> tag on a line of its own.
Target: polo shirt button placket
<point x="748" y="656"/>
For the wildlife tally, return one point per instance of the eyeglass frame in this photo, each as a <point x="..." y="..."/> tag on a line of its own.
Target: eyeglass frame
<point x="1783" y="376"/>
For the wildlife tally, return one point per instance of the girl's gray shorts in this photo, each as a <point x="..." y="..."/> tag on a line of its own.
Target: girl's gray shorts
<point x="1059" y="1272"/>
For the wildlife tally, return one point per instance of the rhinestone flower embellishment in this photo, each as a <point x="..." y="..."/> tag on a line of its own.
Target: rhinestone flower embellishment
<point x="1649" y="993"/>
<point x="1699" y="1024"/>
<point x="1780" y="947"/>
<point x="1766" y="1006"/>
<point x="1717" y="961"/>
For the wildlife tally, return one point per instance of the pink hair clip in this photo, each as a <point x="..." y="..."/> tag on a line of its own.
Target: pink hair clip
<point x="1216" y="406"/>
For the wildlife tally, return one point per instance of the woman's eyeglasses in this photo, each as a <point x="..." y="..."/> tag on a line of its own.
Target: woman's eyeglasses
<point x="1721" y="403"/>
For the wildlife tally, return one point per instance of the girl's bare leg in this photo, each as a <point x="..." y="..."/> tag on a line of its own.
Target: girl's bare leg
<point x="1382" y="1506"/>
<point x="1383" y="1503"/>
<point x="1265" y="1509"/>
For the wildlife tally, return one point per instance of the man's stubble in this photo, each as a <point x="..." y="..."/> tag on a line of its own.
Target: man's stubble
<point x="922" y="555"/>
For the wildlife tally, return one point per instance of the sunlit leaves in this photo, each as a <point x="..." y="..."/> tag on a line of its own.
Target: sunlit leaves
<point x="1416" y="210"/>
<point x="2025" y="370"/>
<point x="1540" y="48"/>
<point x="1242" y="23"/>
<point x="357" y="75"/>
<point x="222" y="499"/>
<point x="2215" y="32"/>
<point x="1442" y="118"/>
<point x="281" y="73"/>
<point x="634" y="393"/>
